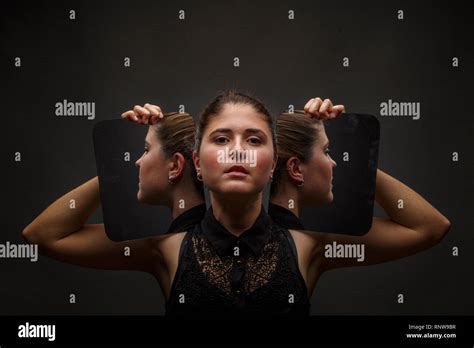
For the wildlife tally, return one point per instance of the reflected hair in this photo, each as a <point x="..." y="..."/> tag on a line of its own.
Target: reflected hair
<point x="176" y="133"/>
<point x="296" y="134"/>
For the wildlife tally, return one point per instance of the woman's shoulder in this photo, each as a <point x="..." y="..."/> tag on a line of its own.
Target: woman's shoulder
<point x="308" y="243"/>
<point x="306" y="235"/>
<point x="165" y="244"/>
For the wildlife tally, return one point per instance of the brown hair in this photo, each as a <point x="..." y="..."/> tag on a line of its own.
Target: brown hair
<point x="296" y="136"/>
<point x="176" y="133"/>
<point x="232" y="97"/>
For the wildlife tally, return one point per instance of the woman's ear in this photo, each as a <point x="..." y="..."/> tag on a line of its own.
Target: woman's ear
<point x="275" y="161"/>
<point x="196" y="161"/>
<point x="293" y="167"/>
<point x="178" y="163"/>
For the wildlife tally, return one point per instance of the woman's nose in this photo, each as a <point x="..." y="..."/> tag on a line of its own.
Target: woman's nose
<point x="237" y="151"/>
<point x="237" y="145"/>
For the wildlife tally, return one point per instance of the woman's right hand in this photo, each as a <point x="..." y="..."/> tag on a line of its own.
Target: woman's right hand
<point x="146" y="114"/>
<point x="323" y="109"/>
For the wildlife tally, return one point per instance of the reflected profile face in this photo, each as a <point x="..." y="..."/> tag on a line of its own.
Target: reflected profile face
<point x="239" y="131"/>
<point x="318" y="172"/>
<point x="153" y="171"/>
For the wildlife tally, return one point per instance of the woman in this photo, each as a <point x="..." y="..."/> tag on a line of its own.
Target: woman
<point x="167" y="176"/>
<point x="237" y="263"/>
<point x="303" y="176"/>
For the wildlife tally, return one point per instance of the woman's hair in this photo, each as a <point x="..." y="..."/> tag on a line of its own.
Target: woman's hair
<point x="232" y="97"/>
<point x="296" y="136"/>
<point x="176" y="133"/>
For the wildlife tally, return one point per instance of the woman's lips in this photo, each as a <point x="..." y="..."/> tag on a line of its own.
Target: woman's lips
<point x="236" y="174"/>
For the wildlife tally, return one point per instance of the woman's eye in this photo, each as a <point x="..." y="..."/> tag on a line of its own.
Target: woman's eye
<point x="255" y="141"/>
<point x="327" y="151"/>
<point x="221" y="140"/>
<point x="145" y="150"/>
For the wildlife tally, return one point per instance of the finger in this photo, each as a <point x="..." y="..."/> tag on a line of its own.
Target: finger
<point x="315" y="106"/>
<point x="155" y="118"/>
<point x="306" y="107"/>
<point x="340" y="108"/>
<point x="143" y="114"/>
<point x="337" y="110"/>
<point x="138" y="115"/>
<point x="154" y="113"/>
<point x="324" y="109"/>
<point x="130" y="115"/>
<point x="154" y="110"/>
<point x="160" y="112"/>
<point x="325" y="106"/>
<point x="141" y="110"/>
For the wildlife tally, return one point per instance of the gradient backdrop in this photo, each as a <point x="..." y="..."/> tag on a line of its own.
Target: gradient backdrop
<point x="284" y="60"/>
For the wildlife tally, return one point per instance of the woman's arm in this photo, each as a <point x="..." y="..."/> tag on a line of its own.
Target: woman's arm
<point x="60" y="220"/>
<point x="61" y="233"/>
<point x="408" y="230"/>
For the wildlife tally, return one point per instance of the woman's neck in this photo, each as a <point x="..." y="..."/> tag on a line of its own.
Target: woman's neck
<point x="237" y="214"/>
<point x="184" y="197"/>
<point x="288" y="199"/>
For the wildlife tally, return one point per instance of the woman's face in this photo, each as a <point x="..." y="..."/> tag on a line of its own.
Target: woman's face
<point x="236" y="154"/>
<point x="153" y="171"/>
<point x="317" y="172"/>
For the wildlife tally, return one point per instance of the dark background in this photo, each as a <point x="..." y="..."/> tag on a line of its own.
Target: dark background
<point x="282" y="62"/>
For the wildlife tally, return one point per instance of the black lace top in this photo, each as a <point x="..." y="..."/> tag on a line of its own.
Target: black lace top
<point x="254" y="275"/>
